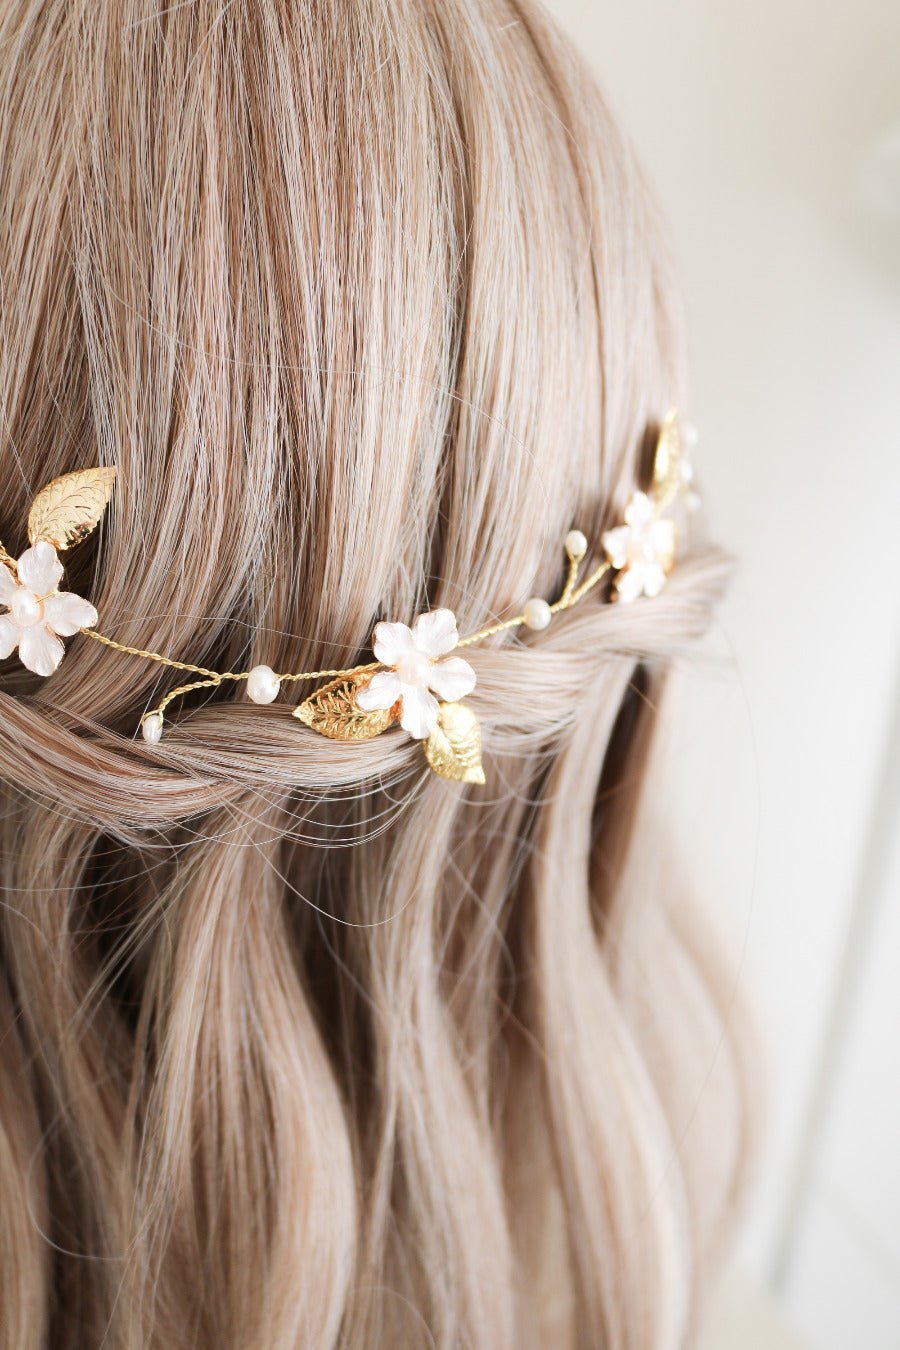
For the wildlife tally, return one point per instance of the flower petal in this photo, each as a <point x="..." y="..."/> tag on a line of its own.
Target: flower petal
<point x="662" y="541"/>
<point x="452" y="679"/>
<point x="435" y="633"/>
<point x="640" y="511"/>
<point x="7" y="585"/>
<point x="391" y="641"/>
<point x="419" y="712"/>
<point x="653" y="578"/>
<point x="66" y="613"/>
<point x="39" y="649"/>
<point x="617" y="543"/>
<point x="9" y="636"/>
<point x="382" y="691"/>
<point x="39" y="568"/>
<point x="629" y="584"/>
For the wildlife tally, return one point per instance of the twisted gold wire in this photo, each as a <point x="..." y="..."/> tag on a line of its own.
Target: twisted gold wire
<point x="588" y="585"/>
<point x="216" y="676"/>
<point x="570" y="595"/>
<point x="489" y="632"/>
<point x="565" y="599"/>
<point x="184" y="689"/>
<point x="150" y="656"/>
<point x="668" y="480"/>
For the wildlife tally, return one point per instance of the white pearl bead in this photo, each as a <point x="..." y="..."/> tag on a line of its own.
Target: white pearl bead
<point x="576" y="544"/>
<point x="25" y="608"/>
<point x="262" y="684"/>
<point x="537" y="613"/>
<point x="151" y="728"/>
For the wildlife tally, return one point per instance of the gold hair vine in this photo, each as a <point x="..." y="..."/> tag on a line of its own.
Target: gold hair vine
<point x="413" y="680"/>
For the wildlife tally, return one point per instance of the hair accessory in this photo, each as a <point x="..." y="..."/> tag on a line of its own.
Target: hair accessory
<point x="414" y="680"/>
<point x="38" y="612"/>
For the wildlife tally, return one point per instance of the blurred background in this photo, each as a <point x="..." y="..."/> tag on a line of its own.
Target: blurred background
<point x="772" y="133"/>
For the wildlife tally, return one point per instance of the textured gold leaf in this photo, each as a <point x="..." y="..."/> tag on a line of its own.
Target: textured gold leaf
<point x="454" y="747"/>
<point x="668" y="459"/>
<point x="71" y="507"/>
<point x="333" y="711"/>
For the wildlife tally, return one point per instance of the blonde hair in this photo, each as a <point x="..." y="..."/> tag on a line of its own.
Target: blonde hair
<point x="302" y="1046"/>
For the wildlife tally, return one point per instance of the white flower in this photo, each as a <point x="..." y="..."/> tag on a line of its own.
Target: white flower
<point x="416" y="668"/>
<point x="642" y="550"/>
<point x="38" y="613"/>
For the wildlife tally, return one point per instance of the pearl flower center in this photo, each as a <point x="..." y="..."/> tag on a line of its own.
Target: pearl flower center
<point x="25" y="607"/>
<point x="414" y="668"/>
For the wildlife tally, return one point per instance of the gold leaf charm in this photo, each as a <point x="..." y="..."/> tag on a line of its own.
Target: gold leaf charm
<point x="667" y="463"/>
<point x="454" y="747"/>
<point x="333" y="711"/>
<point x="71" y="507"/>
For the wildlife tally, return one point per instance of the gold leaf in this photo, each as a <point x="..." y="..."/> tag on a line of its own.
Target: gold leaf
<point x="668" y="458"/>
<point x="333" y="711"/>
<point x="454" y="747"/>
<point x="71" y="507"/>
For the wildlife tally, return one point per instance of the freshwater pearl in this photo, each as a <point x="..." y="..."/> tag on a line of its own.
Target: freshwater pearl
<point x="576" y="545"/>
<point x="151" y="728"/>
<point x="262" y="684"/>
<point x="25" y="608"/>
<point x="536" y="613"/>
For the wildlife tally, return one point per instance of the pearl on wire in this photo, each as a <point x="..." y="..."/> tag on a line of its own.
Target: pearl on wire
<point x="262" y="684"/>
<point x="576" y="545"/>
<point x="151" y="728"/>
<point x="537" y="613"/>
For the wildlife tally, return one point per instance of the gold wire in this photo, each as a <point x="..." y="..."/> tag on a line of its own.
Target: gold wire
<point x="329" y="674"/>
<point x="489" y="632"/>
<point x="183" y="689"/>
<point x="149" y="656"/>
<point x="570" y="595"/>
<point x="588" y="585"/>
<point x="565" y="599"/>
<point x="216" y="676"/>
<point x="210" y="679"/>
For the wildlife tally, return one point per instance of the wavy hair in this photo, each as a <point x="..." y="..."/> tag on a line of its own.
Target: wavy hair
<point x="302" y="1046"/>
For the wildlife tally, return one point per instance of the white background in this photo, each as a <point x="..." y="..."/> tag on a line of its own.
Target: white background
<point x="772" y="132"/>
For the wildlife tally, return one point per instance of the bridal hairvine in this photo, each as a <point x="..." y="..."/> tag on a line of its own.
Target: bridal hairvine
<point x="413" y="680"/>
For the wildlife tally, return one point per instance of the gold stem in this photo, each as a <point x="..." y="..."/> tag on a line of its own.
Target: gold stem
<point x="489" y="632"/>
<point x="217" y="675"/>
<point x="568" y="590"/>
<point x="328" y="674"/>
<point x="570" y="595"/>
<point x="588" y="585"/>
<point x="148" y="656"/>
<point x="184" y="689"/>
